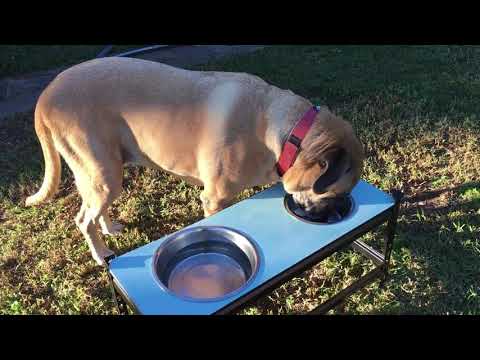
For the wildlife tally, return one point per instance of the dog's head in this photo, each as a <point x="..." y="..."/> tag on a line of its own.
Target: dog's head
<point x="329" y="164"/>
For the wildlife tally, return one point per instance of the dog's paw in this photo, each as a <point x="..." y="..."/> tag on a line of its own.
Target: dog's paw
<point x="208" y="213"/>
<point x="100" y="256"/>
<point x="113" y="230"/>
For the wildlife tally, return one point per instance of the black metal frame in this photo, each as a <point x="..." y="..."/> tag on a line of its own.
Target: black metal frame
<point x="381" y="260"/>
<point x="120" y="298"/>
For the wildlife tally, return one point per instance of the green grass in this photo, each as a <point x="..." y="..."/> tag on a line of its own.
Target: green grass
<point x="22" y="59"/>
<point x="414" y="108"/>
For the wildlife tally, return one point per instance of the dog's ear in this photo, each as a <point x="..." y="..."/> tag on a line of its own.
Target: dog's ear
<point x="334" y="163"/>
<point x="301" y="177"/>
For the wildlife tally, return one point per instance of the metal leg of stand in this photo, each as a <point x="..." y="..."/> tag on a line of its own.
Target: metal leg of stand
<point x="390" y="233"/>
<point x="342" y="295"/>
<point x="114" y="293"/>
<point x="382" y="262"/>
<point x="119" y="304"/>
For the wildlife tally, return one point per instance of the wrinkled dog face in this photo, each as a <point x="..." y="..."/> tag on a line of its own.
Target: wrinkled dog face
<point x="329" y="164"/>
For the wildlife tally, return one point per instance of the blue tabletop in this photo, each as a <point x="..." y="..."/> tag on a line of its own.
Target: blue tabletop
<point x="282" y="239"/>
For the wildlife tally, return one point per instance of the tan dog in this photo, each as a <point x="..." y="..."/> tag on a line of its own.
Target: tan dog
<point x="223" y="131"/>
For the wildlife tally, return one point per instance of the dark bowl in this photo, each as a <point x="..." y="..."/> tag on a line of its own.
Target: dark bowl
<point x="331" y="211"/>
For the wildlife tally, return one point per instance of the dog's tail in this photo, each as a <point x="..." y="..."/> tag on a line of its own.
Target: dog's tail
<point x="53" y="169"/>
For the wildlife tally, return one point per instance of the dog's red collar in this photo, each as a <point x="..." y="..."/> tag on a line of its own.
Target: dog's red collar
<point x="291" y="148"/>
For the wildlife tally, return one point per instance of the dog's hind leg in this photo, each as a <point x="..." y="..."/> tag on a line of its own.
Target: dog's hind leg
<point x="108" y="227"/>
<point x="98" y="250"/>
<point x="81" y="214"/>
<point x="98" y="178"/>
<point x="89" y="229"/>
<point x="97" y="195"/>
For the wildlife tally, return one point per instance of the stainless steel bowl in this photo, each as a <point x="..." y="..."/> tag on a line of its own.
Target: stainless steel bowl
<point x="206" y="263"/>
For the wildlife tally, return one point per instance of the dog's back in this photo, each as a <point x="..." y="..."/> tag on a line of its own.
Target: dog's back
<point x="220" y="129"/>
<point x="113" y="81"/>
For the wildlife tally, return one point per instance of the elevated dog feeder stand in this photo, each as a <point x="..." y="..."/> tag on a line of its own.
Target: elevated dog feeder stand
<point x="252" y="248"/>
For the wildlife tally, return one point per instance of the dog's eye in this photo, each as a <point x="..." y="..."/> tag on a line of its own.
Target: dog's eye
<point x="322" y="163"/>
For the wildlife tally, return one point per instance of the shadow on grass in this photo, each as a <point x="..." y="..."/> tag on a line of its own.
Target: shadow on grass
<point x="435" y="266"/>
<point x="428" y="195"/>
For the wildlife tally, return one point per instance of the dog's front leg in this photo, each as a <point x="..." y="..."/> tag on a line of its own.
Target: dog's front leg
<point x="215" y="198"/>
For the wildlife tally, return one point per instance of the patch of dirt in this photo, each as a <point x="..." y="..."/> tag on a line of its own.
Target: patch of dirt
<point x="8" y="264"/>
